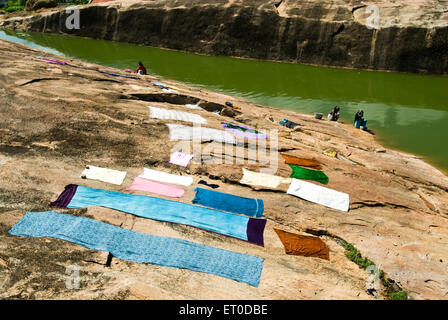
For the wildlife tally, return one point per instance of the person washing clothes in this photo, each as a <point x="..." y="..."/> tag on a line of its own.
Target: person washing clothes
<point x="334" y="114"/>
<point x="141" y="69"/>
<point x="360" y="121"/>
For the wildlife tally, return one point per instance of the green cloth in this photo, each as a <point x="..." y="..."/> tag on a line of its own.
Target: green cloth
<point x="307" y="174"/>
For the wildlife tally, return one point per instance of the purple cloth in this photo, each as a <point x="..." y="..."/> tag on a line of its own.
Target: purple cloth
<point x="54" y="61"/>
<point x="244" y="133"/>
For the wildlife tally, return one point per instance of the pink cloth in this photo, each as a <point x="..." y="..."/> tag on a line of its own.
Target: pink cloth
<point x="180" y="158"/>
<point x="143" y="184"/>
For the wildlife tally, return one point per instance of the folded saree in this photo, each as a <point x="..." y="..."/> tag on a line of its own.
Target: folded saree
<point x="229" y="202"/>
<point x="140" y="247"/>
<point x="307" y="174"/>
<point x="233" y="225"/>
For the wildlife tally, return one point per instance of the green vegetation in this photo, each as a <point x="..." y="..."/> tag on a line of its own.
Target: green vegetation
<point x="393" y="291"/>
<point x="400" y="295"/>
<point x="14" y="5"/>
<point x="78" y="2"/>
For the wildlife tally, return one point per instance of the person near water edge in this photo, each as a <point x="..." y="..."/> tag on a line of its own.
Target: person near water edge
<point x="334" y="114"/>
<point x="141" y="69"/>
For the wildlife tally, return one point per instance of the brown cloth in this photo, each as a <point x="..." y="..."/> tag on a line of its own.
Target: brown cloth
<point x="303" y="245"/>
<point x="310" y="163"/>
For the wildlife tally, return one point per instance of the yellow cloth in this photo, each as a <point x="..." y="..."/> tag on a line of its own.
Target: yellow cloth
<point x="262" y="179"/>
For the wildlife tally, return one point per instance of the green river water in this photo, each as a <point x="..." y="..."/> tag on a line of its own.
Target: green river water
<point x="407" y="112"/>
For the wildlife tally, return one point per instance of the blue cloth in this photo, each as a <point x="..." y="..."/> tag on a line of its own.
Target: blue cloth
<point x="228" y="202"/>
<point x="119" y="75"/>
<point x="140" y="247"/>
<point x="361" y="123"/>
<point x="167" y="210"/>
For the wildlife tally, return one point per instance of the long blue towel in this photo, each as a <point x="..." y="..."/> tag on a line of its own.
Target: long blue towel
<point x="140" y="247"/>
<point x="240" y="227"/>
<point x="119" y="75"/>
<point x="228" y="202"/>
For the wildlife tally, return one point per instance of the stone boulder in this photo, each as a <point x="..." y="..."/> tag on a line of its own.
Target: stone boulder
<point x="32" y="5"/>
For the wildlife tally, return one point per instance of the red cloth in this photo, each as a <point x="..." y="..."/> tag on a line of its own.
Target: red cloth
<point x="141" y="68"/>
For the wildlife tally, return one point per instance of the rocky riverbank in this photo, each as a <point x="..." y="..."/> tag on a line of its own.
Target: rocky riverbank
<point x="55" y="119"/>
<point x="408" y="37"/>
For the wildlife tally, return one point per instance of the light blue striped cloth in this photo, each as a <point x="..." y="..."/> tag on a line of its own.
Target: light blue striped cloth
<point x="233" y="225"/>
<point x="140" y="247"/>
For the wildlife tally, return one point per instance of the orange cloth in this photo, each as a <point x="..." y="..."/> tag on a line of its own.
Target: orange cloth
<point x="303" y="245"/>
<point x="311" y="163"/>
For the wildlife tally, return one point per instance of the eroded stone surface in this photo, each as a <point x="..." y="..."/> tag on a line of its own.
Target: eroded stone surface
<point x="50" y="129"/>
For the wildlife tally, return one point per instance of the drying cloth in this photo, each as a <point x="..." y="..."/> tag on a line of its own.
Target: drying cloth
<point x="193" y="106"/>
<point x="181" y="132"/>
<point x="180" y="158"/>
<point x="166" y="114"/>
<point x="119" y="75"/>
<point x="104" y="174"/>
<point x="156" y="187"/>
<point x="321" y="195"/>
<point x="141" y="247"/>
<point x="228" y="202"/>
<point x="289" y="124"/>
<point x="54" y="61"/>
<point x="159" y="84"/>
<point x="303" y="245"/>
<point x="166" y="177"/>
<point x="307" y="174"/>
<point x="262" y="179"/>
<point x="229" y="224"/>
<point x="169" y="90"/>
<point x="332" y="154"/>
<point x="244" y="131"/>
<point x="310" y="163"/>
<point x="213" y="186"/>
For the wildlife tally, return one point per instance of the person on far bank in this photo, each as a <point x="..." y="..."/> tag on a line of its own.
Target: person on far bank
<point x="141" y="69"/>
<point x="334" y="114"/>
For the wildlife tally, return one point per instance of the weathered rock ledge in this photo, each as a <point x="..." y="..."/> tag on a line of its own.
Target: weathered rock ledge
<point x="54" y="119"/>
<point x="411" y="37"/>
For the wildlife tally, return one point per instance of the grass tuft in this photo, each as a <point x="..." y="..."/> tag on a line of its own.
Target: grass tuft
<point x="393" y="291"/>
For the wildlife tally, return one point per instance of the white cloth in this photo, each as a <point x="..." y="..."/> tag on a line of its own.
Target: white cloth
<point x="321" y="195"/>
<point x="166" y="114"/>
<point x="262" y="179"/>
<point x="104" y="174"/>
<point x="181" y="132"/>
<point x="166" y="177"/>
<point x="170" y="90"/>
<point x="193" y="106"/>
